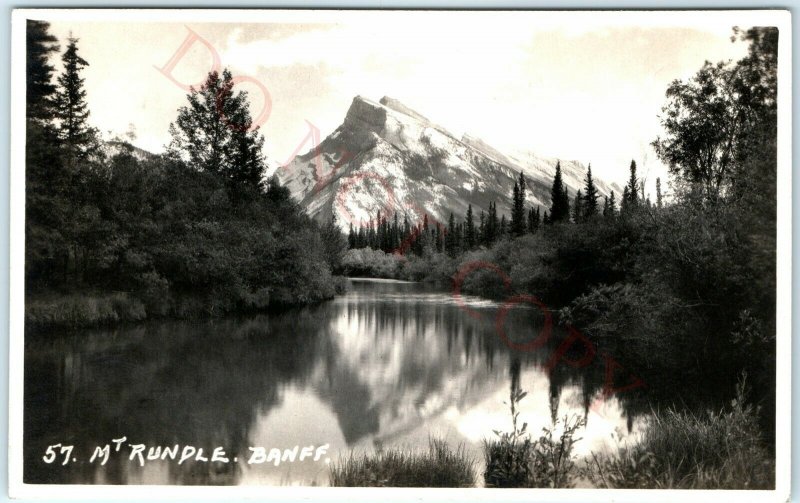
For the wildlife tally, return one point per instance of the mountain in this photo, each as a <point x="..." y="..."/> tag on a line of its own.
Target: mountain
<point x="387" y="157"/>
<point x="116" y="147"/>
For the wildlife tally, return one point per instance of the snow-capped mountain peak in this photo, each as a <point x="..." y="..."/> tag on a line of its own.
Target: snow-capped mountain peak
<point x="386" y="156"/>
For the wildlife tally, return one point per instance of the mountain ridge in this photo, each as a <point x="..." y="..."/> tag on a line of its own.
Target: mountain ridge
<point x="387" y="156"/>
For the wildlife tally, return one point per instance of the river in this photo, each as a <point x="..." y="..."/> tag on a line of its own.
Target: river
<point x="386" y="364"/>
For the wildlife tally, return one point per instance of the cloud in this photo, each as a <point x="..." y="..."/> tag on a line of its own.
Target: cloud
<point x="570" y="87"/>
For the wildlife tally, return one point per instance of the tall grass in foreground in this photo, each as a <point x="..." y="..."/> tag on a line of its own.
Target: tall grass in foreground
<point x="714" y="450"/>
<point x="440" y="466"/>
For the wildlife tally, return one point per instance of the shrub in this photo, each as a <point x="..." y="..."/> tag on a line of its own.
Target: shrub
<point x="514" y="460"/>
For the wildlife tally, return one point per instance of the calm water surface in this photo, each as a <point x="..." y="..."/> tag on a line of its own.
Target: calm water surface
<point x="386" y="364"/>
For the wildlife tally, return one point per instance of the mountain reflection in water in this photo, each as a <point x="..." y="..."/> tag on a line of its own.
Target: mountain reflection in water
<point x="386" y="364"/>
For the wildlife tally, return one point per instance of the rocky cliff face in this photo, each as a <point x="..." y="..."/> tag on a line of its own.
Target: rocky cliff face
<point x="387" y="157"/>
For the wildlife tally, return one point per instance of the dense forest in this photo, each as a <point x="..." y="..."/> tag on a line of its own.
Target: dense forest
<point x="682" y="285"/>
<point x="115" y="234"/>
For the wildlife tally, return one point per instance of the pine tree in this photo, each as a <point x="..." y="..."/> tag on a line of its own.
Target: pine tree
<point x="482" y="229"/>
<point x="77" y="137"/>
<point x="469" y="230"/>
<point x="546" y="218"/>
<point x="577" y="208"/>
<point x="559" y="208"/>
<point x="633" y="187"/>
<point x="503" y="227"/>
<point x="492" y="225"/>
<point x="518" y="223"/>
<point x="605" y="206"/>
<point x="450" y="236"/>
<point x="214" y="132"/>
<point x="39" y="87"/>
<point x="533" y="220"/>
<point x="351" y="237"/>
<point x="590" y="196"/>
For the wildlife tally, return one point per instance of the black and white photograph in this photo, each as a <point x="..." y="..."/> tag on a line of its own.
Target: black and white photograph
<point x="505" y="253"/>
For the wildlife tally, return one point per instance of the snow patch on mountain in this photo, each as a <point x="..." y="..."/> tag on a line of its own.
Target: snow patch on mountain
<point x="386" y="156"/>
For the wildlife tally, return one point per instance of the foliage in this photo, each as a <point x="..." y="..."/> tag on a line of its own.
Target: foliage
<point x="717" y="449"/>
<point x="83" y="310"/>
<point x="440" y="466"/>
<point x="370" y="263"/>
<point x="39" y="87"/>
<point x="115" y="235"/>
<point x="78" y="138"/>
<point x="514" y="460"/>
<point x="215" y="133"/>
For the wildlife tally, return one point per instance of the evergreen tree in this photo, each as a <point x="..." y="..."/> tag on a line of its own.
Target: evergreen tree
<point x="277" y="192"/>
<point x="590" y="196"/>
<point x="518" y="223"/>
<point x="546" y="218"/>
<point x="395" y="235"/>
<point x="351" y="237"/>
<point x="492" y="225"/>
<point x="503" y="227"/>
<point x="482" y="229"/>
<point x="577" y="208"/>
<point x="469" y="230"/>
<point x="77" y="137"/>
<point x="333" y="242"/>
<point x="39" y="88"/>
<point x="559" y="208"/>
<point x="633" y="187"/>
<point x="612" y="205"/>
<point x="533" y="220"/>
<point x="450" y="236"/>
<point x="605" y="206"/>
<point x="214" y="132"/>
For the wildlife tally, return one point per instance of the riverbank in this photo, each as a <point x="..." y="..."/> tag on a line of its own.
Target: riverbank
<point x="92" y="309"/>
<point x="677" y="450"/>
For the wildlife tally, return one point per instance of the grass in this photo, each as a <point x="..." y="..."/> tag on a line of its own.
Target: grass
<point x="712" y="450"/>
<point x="439" y="466"/>
<point x="82" y="310"/>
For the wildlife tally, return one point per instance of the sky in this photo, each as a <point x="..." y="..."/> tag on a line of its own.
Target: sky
<point x="588" y="87"/>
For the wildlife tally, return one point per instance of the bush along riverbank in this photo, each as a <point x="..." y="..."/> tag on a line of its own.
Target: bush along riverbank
<point x="92" y="309"/>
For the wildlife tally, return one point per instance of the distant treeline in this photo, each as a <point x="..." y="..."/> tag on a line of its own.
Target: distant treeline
<point x="469" y="233"/>
<point x="115" y="234"/>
